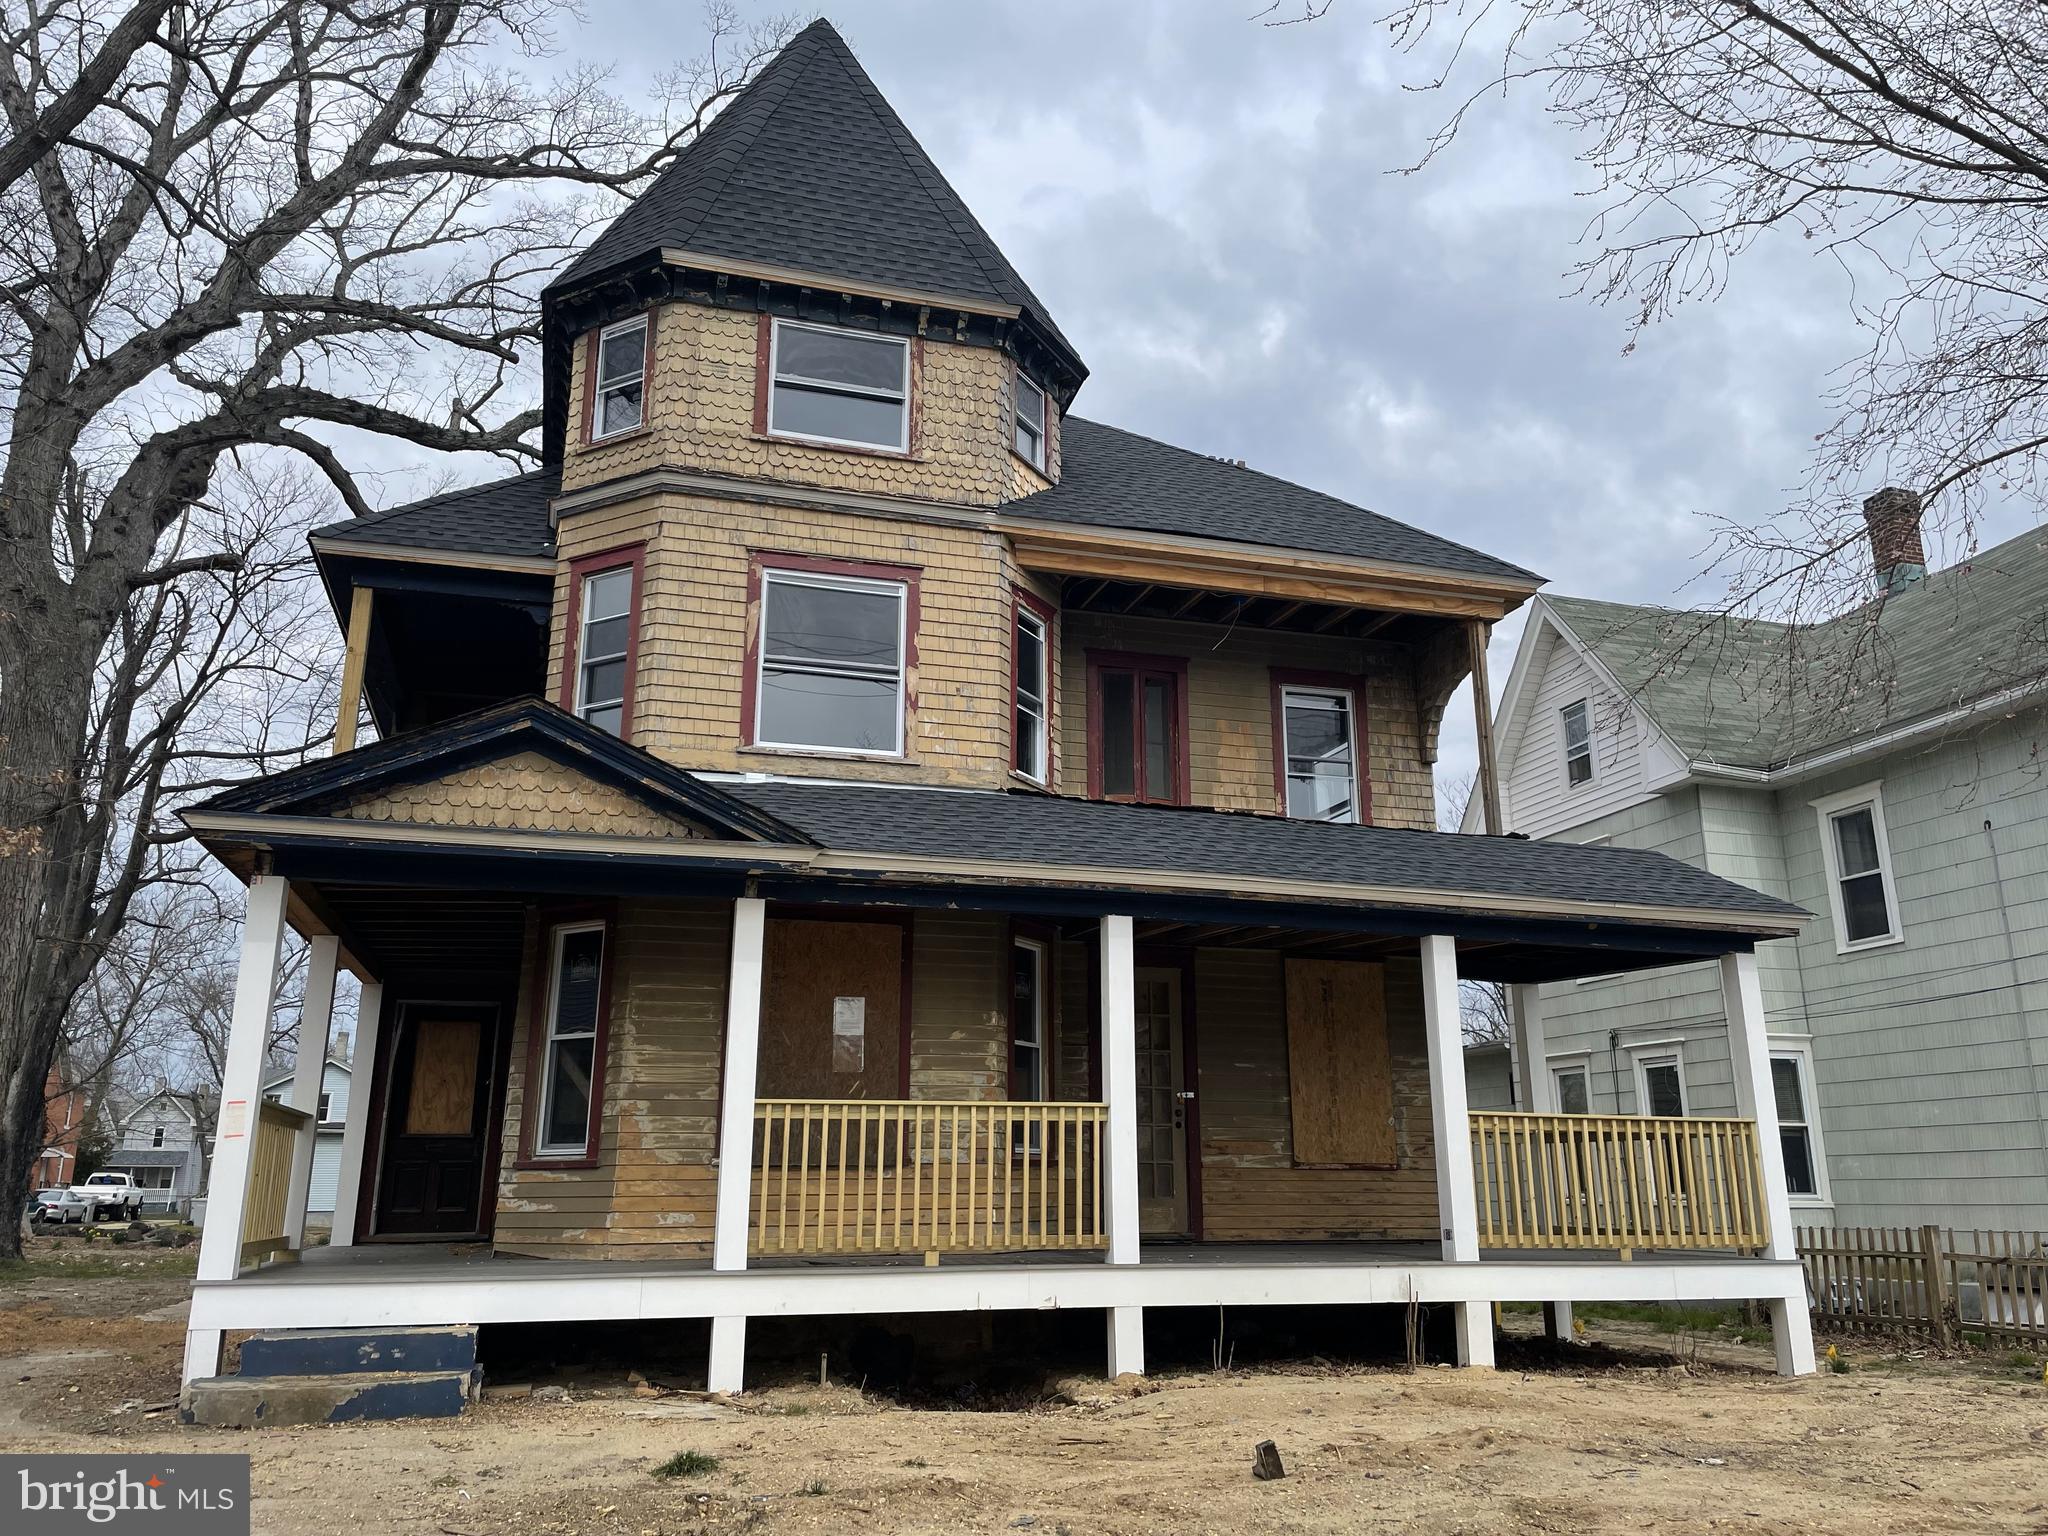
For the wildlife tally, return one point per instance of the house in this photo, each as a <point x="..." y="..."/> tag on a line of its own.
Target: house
<point x="64" y="1113"/>
<point x="848" y="835"/>
<point x="162" y="1142"/>
<point x="1882" y="770"/>
<point x="330" y="1112"/>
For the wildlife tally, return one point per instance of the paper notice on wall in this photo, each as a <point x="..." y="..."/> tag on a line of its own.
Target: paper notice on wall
<point x="234" y="1118"/>
<point x="849" y="1033"/>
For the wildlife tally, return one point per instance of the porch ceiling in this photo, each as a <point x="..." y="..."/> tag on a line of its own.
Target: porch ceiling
<point x="412" y="931"/>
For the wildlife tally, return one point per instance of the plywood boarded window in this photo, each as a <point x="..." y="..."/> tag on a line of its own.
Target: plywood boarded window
<point x="1340" y="1075"/>
<point x="832" y="1009"/>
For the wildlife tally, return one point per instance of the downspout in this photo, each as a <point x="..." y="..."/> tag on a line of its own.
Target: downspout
<point x="2019" y="998"/>
<point x="1614" y="1069"/>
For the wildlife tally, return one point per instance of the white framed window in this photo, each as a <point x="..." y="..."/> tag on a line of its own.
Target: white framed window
<point x="1571" y="1085"/>
<point x="326" y="1103"/>
<point x="828" y="385"/>
<point x="1028" y="429"/>
<point x="603" y="642"/>
<point x="1575" y="720"/>
<point x="569" y="1049"/>
<point x="156" y="1136"/>
<point x="1320" y="748"/>
<point x="619" y="382"/>
<point x="1857" y="854"/>
<point x="1806" y="1167"/>
<point x="1028" y="999"/>
<point x="1660" y="1079"/>
<point x="831" y="672"/>
<point x="1030" y="750"/>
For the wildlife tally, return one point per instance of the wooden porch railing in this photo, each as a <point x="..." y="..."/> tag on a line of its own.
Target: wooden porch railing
<point x="1618" y="1181"/>
<point x="270" y="1180"/>
<point x="927" y="1176"/>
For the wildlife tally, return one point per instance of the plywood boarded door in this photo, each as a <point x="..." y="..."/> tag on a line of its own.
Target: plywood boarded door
<point x="439" y="1111"/>
<point x="1339" y="1069"/>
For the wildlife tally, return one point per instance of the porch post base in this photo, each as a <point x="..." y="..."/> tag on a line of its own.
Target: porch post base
<point x="728" y="1369"/>
<point x="1792" y="1334"/>
<point x="202" y="1354"/>
<point x="1126" y="1342"/>
<point x="1557" y="1321"/>
<point x="1475" y="1333"/>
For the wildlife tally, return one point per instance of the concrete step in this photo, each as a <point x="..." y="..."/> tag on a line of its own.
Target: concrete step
<point x="261" y="1402"/>
<point x="344" y="1351"/>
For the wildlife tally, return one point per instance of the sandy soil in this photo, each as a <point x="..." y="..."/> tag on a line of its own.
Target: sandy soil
<point x="1607" y="1440"/>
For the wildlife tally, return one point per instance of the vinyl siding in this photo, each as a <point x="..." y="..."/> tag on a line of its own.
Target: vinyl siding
<point x="1536" y="797"/>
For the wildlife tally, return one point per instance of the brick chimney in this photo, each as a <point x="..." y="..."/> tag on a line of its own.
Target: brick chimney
<point x="1893" y="518"/>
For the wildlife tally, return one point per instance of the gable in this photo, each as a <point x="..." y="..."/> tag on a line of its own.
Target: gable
<point x="524" y="792"/>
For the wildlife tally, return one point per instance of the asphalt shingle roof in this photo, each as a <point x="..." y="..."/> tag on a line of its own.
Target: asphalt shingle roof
<point x="1110" y="478"/>
<point x="1055" y="830"/>
<point x="500" y="517"/>
<point x="810" y="168"/>
<point x="1754" y="694"/>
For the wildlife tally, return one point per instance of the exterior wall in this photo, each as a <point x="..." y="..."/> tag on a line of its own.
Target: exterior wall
<point x="1490" y="1078"/>
<point x="1251" y="1189"/>
<point x="326" y="1174"/>
<point x="1230" y="709"/>
<point x="517" y="794"/>
<point x="1535" y="797"/>
<point x="701" y="416"/>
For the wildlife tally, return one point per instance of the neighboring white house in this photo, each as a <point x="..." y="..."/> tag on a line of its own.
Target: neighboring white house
<point x="1888" y="771"/>
<point x="162" y="1143"/>
<point x="328" y="1120"/>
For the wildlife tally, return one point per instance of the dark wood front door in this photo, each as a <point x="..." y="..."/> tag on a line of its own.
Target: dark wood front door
<point x="437" y="1120"/>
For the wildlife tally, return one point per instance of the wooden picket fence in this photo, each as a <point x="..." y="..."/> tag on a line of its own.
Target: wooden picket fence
<point x="1930" y="1280"/>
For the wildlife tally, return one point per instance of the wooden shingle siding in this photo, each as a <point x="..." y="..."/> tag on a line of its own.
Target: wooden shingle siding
<point x="700" y="414"/>
<point x="524" y="792"/>
<point x="1251" y="1189"/>
<point x="1230" y="709"/>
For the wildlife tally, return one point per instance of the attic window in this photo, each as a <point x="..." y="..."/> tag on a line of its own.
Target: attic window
<point x="1577" y="719"/>
<point x="619" y="381"/>
<point x="1029" y="433"/>
<point x="833" y="386"/>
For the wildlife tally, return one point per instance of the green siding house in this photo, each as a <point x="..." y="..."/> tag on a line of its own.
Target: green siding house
<point x="1887" y="770"/>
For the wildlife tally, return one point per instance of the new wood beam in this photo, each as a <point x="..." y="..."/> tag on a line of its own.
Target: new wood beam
<point x="1477" y="632"/>
<point x="352" y="670"/>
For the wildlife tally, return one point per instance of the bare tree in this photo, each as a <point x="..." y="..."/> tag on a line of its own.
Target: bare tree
<point x="237" y="239"/>
<point x="1483" y="1015"/>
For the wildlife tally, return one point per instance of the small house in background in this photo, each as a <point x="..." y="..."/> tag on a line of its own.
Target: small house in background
<point x="1886" y="770"/>
<point x="329" y="1114"/>
<point x="162" y="1142"/>
<point x="64" y="1109"/>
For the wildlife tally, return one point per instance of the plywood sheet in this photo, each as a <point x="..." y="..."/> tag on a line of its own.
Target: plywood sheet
<point x="819" y="974"/>
<point x="443" y="1097"/>
<point x="1339" y="1067"/>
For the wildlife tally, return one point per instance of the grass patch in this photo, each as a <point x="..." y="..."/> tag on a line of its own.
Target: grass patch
<point x="99" y="1262"/>
<point x="687" y="1464"/>
<point x="1669" y="1319"/>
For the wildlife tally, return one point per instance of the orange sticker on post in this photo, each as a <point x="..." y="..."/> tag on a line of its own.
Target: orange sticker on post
<point x="234" y="1119"/>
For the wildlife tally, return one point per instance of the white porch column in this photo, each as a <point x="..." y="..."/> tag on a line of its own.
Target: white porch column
<point x="1457" y="1203"/>
<point x="355" y="1130"/>
<point x="1537" y="1094"/>
<point x="736" y="1112"/>
<point x="727" y="1370"/>
<point x="1119" y="991"/>
<point x="220" y="1245"/>
<point x="316" y="1020"/>
<point x="1749" y="1052"/>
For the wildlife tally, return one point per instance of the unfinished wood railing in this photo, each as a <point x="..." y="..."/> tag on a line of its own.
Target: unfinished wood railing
<point x="1618" y="1181"/>
<point x="270" y="1181"/>
<point x="926" y="1176"/>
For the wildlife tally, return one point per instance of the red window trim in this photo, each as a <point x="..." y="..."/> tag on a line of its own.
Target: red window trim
<point x="764" y="355"/>
<point x="534" y="1095"/>
<point x="590" y="351"/>
<point x="763" y="560"/>
<point x="1134" y="661"/>
<point x="1284" y="678"/>
<point x="1020" y="597"/>
<point x="1046" y="937"/>
<point x="580" y="569"/>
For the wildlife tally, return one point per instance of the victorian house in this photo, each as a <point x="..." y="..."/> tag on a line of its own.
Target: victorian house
<point x="848" y="835"/>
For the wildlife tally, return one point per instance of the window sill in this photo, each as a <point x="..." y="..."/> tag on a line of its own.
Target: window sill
<point x="1024" y="780"/>
<point x="826" y="445"/>
<point x="837" y="754"/>
<point x="1861" y="945"/>
<point x="540" y="1162"/>
<point x="1037" y="469"/>
<point x="645" y="429"/>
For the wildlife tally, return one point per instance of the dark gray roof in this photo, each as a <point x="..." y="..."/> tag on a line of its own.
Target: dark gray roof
<point x="1111" y="478"/>
<point x="1754" y="694"/>
<point x="500" y="517"/>
<point x="810" y="168"/>
<point x="1042" y="829"/>
<point x="147" y="1157"/>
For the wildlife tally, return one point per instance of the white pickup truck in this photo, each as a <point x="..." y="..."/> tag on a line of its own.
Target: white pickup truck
<point x="110" y="1194"/>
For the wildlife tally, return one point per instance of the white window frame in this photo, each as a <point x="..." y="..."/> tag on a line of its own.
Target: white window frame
<point x="776" y="328"/>
<point x="584" y="660"/>
<point x="1799" y="1049"/>
<point x="1827" y="810"/>
<point x="598" y="387"/>
<point x="156" y="1137"/>
<point x="1310" y="691"/>
<point x="1041" y="954"/>
<point x="1564" y="739"/>
<point x="1025" y="614"/>
<point x="772" y="574"/>
<point x="1650" y="1053"/>
<point x="1565" y="1064"/>
<point x="321" y="1105"/>
<point x="558" y="937"/>
<point x="1018" y="421"/>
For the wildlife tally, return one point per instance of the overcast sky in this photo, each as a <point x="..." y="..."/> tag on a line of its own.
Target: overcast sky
<point x="1206" y="206"/>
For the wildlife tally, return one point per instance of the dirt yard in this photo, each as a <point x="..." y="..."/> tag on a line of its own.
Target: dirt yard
<point x="1620" y="1436"/>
